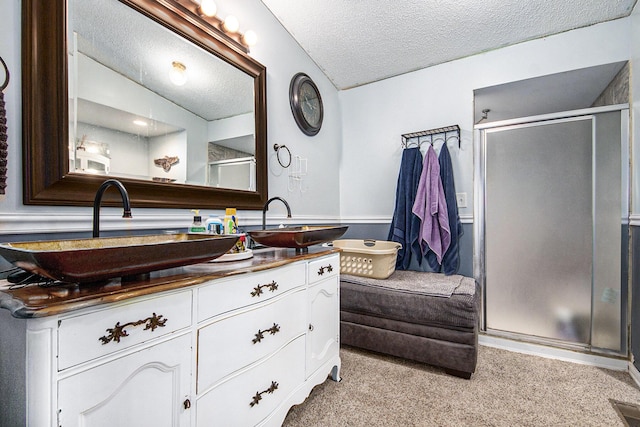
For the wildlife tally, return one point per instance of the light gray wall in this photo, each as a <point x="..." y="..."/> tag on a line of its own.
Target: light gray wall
<point x="376" y="115"/>
<point x="380" y="231"/>
<point x="283" y="58"/>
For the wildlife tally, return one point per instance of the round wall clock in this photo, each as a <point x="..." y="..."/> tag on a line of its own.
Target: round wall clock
<point x="306" y="104"/>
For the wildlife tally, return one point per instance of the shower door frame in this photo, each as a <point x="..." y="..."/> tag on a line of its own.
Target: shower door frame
<point x="479" y="229"/>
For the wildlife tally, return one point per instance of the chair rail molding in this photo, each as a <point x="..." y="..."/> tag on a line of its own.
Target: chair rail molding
<point x="111" y="219"/>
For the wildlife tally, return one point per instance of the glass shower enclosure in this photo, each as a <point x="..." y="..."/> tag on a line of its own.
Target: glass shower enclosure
<point x="551" y="234"/>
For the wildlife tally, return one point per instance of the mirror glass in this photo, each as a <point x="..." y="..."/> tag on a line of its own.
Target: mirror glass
<point x="147" y="104"/>
<point x="98" y="102"/>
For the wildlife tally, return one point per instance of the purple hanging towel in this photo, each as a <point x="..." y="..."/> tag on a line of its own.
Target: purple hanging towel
<point x="431" y="207"/>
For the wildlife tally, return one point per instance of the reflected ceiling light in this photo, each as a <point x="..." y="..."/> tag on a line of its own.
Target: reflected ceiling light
<point x="178" y="73"/>
<point x="140" y="123"/>
<point x="207" y="7"/>
<point x="231" y="24"/>
<point x="250" y="38"/>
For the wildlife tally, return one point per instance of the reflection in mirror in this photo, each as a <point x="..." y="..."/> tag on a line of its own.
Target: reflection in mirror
<point x="230" y="167"/>
<point x="129" y="116"/>
<point x="53" y="55"/>
<point x="133" y="146"/>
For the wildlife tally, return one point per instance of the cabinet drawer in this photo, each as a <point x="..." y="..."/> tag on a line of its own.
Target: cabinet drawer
<point x="234" y="342"/>
<point x="87" y="336"/>
<point x="240" y="291"/>
<point x="324" y="268"/>
<point x="246" y="399"/>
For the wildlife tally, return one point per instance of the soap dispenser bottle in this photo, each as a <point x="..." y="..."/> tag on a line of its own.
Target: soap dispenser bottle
<point x="197" y="227"/>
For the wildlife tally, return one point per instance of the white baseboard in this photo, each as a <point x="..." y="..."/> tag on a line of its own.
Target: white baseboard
<point x="613" y="363"/>
<point x="635" y="374"/>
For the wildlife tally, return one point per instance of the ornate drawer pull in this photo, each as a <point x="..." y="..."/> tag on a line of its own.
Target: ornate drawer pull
<point x="257" y="291"/>
<point x="260" y="335"/>
<point x="118" y="330"/>
<point x="258" y="397"/>
<point x="329" y="269"/>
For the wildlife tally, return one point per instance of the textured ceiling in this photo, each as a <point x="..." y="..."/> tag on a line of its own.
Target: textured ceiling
<point x="356" y="42"/>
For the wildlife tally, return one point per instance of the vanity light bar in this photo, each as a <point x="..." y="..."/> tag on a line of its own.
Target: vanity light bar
<point x="206" y="11"/>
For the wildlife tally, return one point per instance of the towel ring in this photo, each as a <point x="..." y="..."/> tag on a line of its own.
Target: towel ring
<point x="6" y="80"/>
<point x="277" y="148"/>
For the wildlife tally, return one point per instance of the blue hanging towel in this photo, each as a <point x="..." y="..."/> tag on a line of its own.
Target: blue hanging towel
<point x="451" y="258"/>
<point x="405" y="226"/>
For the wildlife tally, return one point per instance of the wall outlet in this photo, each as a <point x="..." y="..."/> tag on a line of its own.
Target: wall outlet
<point x="461" y="198"/>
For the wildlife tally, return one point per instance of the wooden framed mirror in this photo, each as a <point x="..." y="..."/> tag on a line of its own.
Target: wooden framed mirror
<point x="48" y="106"/>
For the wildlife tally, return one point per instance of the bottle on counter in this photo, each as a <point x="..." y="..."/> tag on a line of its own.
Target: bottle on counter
<point x="197" y="227"/>
<point x="214" y="225"/>
<point x="230" y="221"/>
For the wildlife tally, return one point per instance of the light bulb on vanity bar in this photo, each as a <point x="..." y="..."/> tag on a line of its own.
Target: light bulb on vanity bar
<point x="250" y="38"/>
<point x="206" y="7"/>
<point x="231" y="24"/>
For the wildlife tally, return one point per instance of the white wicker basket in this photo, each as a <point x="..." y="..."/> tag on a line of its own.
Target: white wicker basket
<point x="368" y="258"/>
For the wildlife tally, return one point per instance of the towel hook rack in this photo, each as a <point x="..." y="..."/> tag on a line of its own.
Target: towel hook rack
<point x="455" y="129"/>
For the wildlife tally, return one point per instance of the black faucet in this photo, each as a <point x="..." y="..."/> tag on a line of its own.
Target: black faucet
<point x="96" y="203"/>
<point x="266" y="208"/>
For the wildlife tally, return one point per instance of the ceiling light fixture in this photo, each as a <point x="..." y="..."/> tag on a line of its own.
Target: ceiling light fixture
<point x="140" y="123"/>
<point x="178" y="73"/>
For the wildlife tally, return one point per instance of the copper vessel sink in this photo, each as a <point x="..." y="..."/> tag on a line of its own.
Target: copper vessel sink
<point x="297" y="237"/>
<point x="97" y="259"/>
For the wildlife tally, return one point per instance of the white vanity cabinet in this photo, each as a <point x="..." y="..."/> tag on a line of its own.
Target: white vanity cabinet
<point x="253" y="362"/>
<point x="323" y="340"/>
<point x="238" y="350"/>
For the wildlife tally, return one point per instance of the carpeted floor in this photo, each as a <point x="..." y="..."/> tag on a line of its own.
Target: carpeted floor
<point x="508" y="389"/>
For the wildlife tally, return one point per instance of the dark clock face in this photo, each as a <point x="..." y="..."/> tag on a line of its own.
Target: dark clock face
<point x="306" y="104"/>
<point x="310" y="104"/>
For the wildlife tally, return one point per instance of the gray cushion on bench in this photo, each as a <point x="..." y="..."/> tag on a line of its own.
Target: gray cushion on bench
<point x="385" y="299"/>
